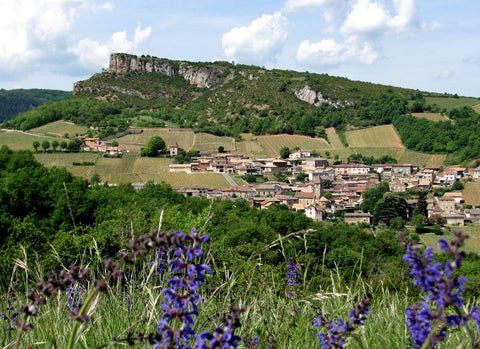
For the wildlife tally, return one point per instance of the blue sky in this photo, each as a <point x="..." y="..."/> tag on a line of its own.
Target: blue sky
<point x="430" y="45"/>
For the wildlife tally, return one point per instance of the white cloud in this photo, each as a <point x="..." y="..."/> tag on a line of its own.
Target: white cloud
<point x="445" y="75"/>
<point x="31" y="29"/>
<point x="331" y="52"/>
<point x="371" y="17"/>
<point x="294" y="5"/>
<point x="92" y="53"/>
<point x="259" y="41"/>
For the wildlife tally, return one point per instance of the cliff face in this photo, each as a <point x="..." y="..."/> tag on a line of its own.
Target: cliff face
<point x="198" y="76"/>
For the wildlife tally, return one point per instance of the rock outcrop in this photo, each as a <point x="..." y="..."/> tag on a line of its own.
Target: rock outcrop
<point x="307" y="94"/>
<point x="199" y="76"/>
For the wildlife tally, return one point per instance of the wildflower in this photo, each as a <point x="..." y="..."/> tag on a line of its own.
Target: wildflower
<point x="335" y="331"/>
<point x="222" y="337"/>
<point x="293" y="276"/>
<point x="429" y="320"/>
<point x="181" y="301"/>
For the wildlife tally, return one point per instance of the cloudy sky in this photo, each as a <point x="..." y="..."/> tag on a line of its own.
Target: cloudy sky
<point x="431" y="45"/>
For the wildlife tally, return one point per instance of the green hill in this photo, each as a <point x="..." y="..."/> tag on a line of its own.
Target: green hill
<point x="13" y="102"/>
<point x="228" y="100"/>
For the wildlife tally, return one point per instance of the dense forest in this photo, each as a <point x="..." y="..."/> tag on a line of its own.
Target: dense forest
<point x="14" y="102"/>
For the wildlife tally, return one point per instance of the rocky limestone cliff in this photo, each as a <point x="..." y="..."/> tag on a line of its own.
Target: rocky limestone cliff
<point x="199" y="76"/>
<point x="307" y="94"/>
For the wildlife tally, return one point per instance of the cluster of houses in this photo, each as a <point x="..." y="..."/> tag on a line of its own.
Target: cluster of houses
<point x="346" y="183"/>
<point x="96" y="144"/>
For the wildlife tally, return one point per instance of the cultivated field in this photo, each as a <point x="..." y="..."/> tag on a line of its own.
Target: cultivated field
<point x="384" y="136"/>
<point x="432" y="116"/>
<point x="471" y="193"/>
<point x="131" y="168"/>
<point x="18" y="140"/>
<point x="333" y="138"/>
<point x="450" y="103"/>
<point x="134" y="142"/>
<point x="471" y="245"/>
<point x="272" y="144"/>
<point x="59" y="128"/>
<point x="210" y="143"/>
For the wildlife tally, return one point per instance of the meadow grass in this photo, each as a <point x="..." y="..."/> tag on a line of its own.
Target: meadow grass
<point x="133" y="305"/>
<point x="432" y="117"/>
<point x="334" y="139"/>
<point x="450" y="102"/>
<point x="273" y="143"/>
<point x="19" y="140"/>
<point x="473" y="231"/>
<point x="384" y="136"/>
<point x="471" y="193"/>
<point x="59" y="128"/>
<point x="211" y="143"/>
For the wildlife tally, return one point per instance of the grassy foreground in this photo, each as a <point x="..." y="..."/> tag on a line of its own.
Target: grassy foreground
<point x="107" y="312"/>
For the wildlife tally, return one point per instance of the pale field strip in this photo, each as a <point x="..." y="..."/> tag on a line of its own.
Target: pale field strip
<point x="59" y="128"/>
<point x="20" y="140"/>
<point x="471" y="193"/>
<point x="134" y="142"/>
<point x="432" y="117"/>
<point x="472" y="244"/>
<point x="250" y="147"/>
<point x="334" y="139"/>
<point x="208" y="142"/>
<point x="379" y="136"/>
<point x="273" y="143"/>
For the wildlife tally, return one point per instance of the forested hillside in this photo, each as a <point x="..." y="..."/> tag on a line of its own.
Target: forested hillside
<point x="13" y="102"/>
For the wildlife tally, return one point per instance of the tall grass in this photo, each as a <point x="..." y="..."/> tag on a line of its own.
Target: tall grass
<point x="132" y="305"/>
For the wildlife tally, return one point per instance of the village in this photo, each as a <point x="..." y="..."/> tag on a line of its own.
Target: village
<point x="327" y="188"/>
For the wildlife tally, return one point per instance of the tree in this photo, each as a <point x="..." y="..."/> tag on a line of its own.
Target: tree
<point x="221" y="149"/>
<point x="421" y="208"/>
<point x="45" y="145"/>
<point x="153" y="146"/>
<point x="457" y="186"/>
<point x="114" y="143"/>
<point x="284" y="152"/>
<point x="371" y="196"/>
<point x="63" y="145"/>
<point x="35" y="145"/>
<point x="389" y="207"/>
<point x="55" y="145"/>
<point x="74" y="144"/>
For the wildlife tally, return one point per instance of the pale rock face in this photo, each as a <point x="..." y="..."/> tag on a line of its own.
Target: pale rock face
<point x="308" y="95"/>
<point x="200" y="77"/>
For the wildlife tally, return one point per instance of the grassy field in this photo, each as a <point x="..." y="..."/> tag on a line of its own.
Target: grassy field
<point x="131" y="168"/>
<point x="134" y="142"/>
<point x="471" y="245"/>
<point x="18" y="140"/>
<point x="333" y="138"/>
<point x="272" y="144"/>
<point x="471" y="193"/>
<point x="450" y="103"/>
<point x="421" y="159"/>
<point x="380" y="136"/>
<point x="211" y="143"/>
<point x="432" y="116"/>
<point x="59" y="128"/>
<point x="249" y="146"/>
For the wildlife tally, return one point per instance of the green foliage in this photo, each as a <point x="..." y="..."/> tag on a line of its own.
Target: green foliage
<point x="390" y="207"/>
<point x="154" y="145"/>
<point x="184" y="157"/>
<point x="457" y="185"/>
<point x="284" y="152"/>
<point x="370" y="197"/>
<point x="13" y="102"/>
